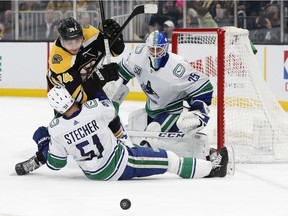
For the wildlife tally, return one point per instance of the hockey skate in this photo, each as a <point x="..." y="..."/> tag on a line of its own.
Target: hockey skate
<point x="30" y="165"/>
<point x="222" y="162"/>
<point x="145" y="143"/>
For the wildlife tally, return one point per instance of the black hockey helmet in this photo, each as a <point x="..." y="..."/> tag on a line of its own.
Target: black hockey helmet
<point x="69" y="29"/>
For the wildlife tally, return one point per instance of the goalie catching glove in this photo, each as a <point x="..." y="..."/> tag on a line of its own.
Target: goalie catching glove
<point x="194" y="121"/>
<point x="110" y="28"/>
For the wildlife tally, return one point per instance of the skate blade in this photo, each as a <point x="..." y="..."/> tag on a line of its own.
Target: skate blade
<point x="231" y="161"/>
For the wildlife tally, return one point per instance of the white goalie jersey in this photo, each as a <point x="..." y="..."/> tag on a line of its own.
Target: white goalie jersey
<point x="87" y="138"/>
<point x="167" y="87"/>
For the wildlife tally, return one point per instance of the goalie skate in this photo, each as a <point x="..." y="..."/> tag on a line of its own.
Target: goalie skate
<point x="27" y="166"/>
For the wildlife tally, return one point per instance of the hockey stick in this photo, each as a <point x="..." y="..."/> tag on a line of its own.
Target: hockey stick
<point x="106" y="41"/>
<point x="139" y="9"/>
<point x="115" y="90"/>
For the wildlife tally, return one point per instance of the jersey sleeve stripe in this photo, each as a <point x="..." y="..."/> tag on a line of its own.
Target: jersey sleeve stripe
<point x="125" y="72"/>
<point x="55" y="162"/>
<point x="175" y="108"/>
<point x="206" y="87"/>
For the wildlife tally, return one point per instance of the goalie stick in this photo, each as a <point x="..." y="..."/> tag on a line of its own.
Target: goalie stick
<point x="176" y="142"/>
<point x="139" y="9"/>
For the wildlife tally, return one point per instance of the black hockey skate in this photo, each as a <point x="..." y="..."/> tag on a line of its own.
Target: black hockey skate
<point x="219" y="163"/>
<point x="145" y="143"/>
<point x="30" y="165"/>
<point x="213" y="153"/>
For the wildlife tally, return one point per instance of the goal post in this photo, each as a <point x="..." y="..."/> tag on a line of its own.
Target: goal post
<point x="244" y="112"/>
<point x="176" y="45"/>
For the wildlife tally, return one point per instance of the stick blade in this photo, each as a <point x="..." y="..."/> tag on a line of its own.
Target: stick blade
<point x="150" y="8"/>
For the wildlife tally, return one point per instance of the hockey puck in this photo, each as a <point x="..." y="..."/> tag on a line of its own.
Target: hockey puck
<point x="125" y="204"/>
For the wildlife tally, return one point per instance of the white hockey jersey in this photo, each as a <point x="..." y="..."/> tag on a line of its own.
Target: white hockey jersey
<point x="86" y="137"/>
<point x="167" y="87"/>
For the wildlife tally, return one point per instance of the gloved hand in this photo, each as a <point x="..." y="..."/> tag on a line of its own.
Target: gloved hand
<point x="42" y="138"/>
<point x="202" y="111"/>
<point x="110" y="28"/>
<point x="110" y="71"/>
<point x="196" y="120"/>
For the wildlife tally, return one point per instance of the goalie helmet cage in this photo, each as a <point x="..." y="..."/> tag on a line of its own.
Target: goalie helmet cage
<point x="244" y="112"/>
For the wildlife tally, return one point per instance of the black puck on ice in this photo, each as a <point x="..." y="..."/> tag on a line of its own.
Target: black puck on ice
<point x="125" y="204"/>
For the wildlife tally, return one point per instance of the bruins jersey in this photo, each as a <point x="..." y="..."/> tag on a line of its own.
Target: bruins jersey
<point x="72" y="70"/>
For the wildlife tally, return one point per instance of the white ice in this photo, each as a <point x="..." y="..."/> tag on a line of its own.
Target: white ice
<point x="258" y="189"/>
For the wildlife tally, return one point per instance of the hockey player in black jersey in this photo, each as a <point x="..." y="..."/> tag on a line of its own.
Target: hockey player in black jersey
<point x="72" y="61"/>
<point x="72" y="64"/>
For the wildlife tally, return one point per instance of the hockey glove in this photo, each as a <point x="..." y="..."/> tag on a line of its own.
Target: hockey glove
<point x="194" y="121"/>
<point x="110" y="72"/>
<point x="110" y="28"/>
<point x="42" y="138"/>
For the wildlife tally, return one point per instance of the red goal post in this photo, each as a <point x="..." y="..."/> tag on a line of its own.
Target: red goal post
<point x="244" y="112"/>
<point x="220" y="77"/>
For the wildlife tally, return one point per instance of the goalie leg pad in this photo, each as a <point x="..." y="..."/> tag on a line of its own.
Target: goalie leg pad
<point x="153" y="126"/>
<point x="137" y="120"/>
<point x="184" y="145"/>
<point x="200" y="145"/>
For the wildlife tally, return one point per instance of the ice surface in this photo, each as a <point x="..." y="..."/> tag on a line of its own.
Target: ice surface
<point x="258" y="189"/>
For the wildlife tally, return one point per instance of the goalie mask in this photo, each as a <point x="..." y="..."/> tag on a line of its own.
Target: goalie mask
<point x="157" y="47"/>
<point x="60" y="99"/>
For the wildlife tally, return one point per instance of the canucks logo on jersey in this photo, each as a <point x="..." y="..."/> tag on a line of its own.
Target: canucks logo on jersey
<point x="149" y="91"/>
<point x="179" y="70"/>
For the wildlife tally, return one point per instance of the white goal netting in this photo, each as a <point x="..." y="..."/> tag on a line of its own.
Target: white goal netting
<point x="245" y="114"/>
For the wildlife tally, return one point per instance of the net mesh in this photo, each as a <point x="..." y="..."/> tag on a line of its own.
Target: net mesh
<point x="254" y="122"/>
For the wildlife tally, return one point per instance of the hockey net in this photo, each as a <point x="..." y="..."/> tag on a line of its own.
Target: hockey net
<point x="244" y="112"/>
